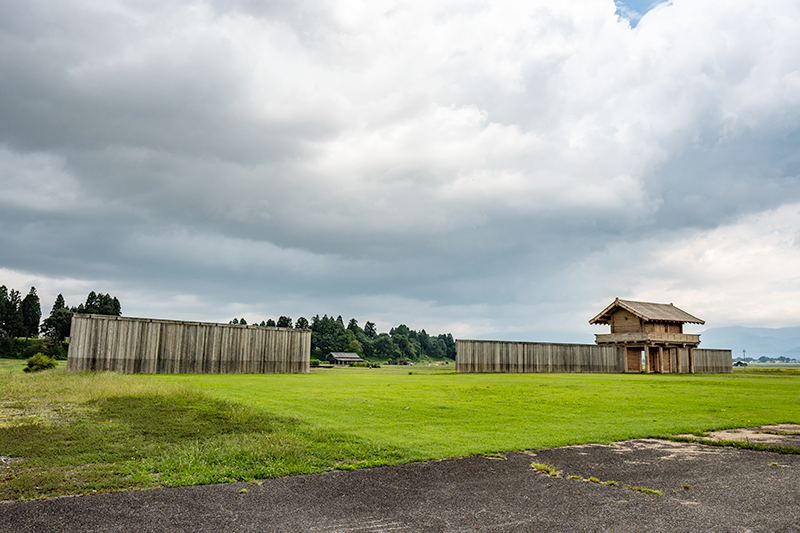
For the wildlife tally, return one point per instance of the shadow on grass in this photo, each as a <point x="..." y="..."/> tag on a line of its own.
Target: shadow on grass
<point x="127" y="442"/>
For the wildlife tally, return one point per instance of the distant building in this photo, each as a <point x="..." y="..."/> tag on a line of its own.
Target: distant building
<point x="344" y="358"/>
<point x="644" y="336"/>
<point x="652" y="329"/>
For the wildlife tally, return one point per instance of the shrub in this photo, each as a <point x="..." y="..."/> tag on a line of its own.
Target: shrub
<point x="40" y="362"/>
<point x="315" y="362"/>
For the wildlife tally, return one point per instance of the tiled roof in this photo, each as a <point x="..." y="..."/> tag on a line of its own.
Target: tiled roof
<point x="346" y="356"/>
<point x="648" y="311"/>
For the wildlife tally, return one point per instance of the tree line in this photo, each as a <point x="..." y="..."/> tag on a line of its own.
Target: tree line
<point x="329" y="335"/>
<point x="22" y="318"/>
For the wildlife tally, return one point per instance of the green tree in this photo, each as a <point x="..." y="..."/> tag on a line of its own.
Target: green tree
<point x="301" y="323"/>
<point x="284" y="322"/>
<point x="31" y="312"/>
<point x="270" y="323"/>
<point x="5" y="335"/>
<point x="351" y="344"/>
<point x="449" y="345"/>
<point x="58" y="304"/>
<point x="369" y="330"/>
<point x="100" y="304"/>
<point x="13" y="323"/>
<point x="327" y="335"/>
<point x="4" y="308"/>
<point x="57" y="326"/>
<point x="405" y="346"/>
<point x="353" y="326"/>
<point x="385" y="348"/>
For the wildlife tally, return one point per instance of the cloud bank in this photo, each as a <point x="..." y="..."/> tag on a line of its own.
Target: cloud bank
<point x="500" y="170"/>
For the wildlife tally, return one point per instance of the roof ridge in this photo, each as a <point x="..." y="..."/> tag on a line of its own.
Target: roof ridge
<point x="648" y="311"/>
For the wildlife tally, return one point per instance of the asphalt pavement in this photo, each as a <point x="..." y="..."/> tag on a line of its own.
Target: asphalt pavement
<point x="702" y="488"/>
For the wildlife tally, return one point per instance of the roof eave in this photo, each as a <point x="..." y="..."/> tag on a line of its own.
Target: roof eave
<point x="600" y="319"/>
<point x="604" y="318"/>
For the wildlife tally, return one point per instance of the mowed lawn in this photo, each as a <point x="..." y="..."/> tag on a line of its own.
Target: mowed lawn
<point x="74" y="433"/>
<point x="435" y="413"/>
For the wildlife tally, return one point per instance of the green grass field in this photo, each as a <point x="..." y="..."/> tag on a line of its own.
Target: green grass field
<point x="64" y="433"/>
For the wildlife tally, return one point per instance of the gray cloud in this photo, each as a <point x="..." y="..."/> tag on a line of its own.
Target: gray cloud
<point x="479" y="167"/>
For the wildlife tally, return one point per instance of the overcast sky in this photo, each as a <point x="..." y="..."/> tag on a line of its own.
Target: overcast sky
<point x="492" y="169"/>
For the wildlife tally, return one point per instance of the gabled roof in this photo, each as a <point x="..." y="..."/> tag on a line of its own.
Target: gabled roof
<point x="346" y="356"/>
<point x="650" y="312"/>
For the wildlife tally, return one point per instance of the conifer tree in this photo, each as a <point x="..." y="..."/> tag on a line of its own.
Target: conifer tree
<point x="31" y="312"/>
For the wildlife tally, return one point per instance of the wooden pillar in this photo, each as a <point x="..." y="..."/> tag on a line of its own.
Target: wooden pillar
<point x="625" y="359"/>
<point x="661" y="359"/>
<point x="678" y="359"/>
<point x="691" y="359"/>
<point x="646" y="359"/>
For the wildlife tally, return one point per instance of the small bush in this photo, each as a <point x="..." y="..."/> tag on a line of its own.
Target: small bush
<point x="315" y="362"/>
<point x="40" y="362"/>
<point x="363" y="364"/>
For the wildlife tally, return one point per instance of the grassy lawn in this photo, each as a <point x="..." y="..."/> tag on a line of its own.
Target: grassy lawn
<point x="66" y="433"/>
<point x="16" y="365"/>
<point x="767" y="366"/>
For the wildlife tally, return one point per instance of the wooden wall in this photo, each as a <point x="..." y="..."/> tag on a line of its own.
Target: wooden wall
<point x="148" y="346"/>
<point x="504" y="356"/>
<point x="711" y="361"/>
<point x="623" y="321"/>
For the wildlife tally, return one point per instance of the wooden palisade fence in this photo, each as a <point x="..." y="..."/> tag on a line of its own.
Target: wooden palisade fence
<point x="711" y="361"/>
<point x="509" y="356"/>
<point x="149" y="346"/>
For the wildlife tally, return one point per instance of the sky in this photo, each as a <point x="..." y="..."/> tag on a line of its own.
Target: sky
<point x="491" y="169"/>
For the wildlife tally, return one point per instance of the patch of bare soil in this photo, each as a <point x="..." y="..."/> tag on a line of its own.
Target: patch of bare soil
<point x="787" y="435"/>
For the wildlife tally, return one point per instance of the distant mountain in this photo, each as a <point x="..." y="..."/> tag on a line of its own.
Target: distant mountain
<point x="771" y="342"/>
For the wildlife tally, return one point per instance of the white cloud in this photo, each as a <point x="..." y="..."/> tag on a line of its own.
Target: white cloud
<point x="740" y="273"/>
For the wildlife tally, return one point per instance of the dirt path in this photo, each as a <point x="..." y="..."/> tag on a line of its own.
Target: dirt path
<point x="703" y="488"/>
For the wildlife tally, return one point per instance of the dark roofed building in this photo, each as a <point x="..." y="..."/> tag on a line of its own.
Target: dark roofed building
<point x="652" y="328"/>
<point x="344" y="358"/>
